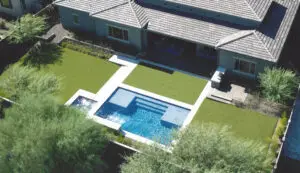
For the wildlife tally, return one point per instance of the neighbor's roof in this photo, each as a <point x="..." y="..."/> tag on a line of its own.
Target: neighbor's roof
<point x="265" y="42"/>
<point x="248" y="9"/>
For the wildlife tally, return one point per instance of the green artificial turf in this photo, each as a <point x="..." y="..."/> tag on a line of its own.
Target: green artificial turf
<point x="175" y="85"/>
<point x="81" y="71"/>
<point x="244" y="123"/>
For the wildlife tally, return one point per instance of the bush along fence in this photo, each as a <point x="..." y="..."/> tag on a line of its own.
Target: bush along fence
<point x="283" y="132"/>
<point x="86" y="48"/>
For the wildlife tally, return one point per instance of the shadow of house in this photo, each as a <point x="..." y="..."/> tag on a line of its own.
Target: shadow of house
<point x="272" y="21"/>
<point x="43" y="54"/>
<point x="289" y="57"/>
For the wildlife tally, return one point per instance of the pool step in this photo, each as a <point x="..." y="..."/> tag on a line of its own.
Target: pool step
<point x="152" y="104"/>
<point x="149" y="108"/>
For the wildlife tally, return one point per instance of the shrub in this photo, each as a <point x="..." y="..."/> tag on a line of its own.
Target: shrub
<point x="27" y="28"/>
<point x="86" y="49"/>
<point x="278" y="85"/>
<point x="19" y="79"/>
<point x="202" y="148"/>
<point x="282" y="125"/>
<point x="39" y="135"/>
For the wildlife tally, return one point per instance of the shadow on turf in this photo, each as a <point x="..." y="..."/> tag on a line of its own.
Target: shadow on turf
<point x="43" y="54"/>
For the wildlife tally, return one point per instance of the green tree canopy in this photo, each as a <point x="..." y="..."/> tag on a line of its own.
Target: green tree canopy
<point x="38" y="135"/>
<point x="27" y="28"/>
<point x="206" y="148"/>
<point x="278" y="85"/>
<point x="18" y="79"/>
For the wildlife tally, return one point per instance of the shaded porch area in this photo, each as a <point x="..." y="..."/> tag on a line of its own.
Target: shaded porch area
<point x="180" y="54"/>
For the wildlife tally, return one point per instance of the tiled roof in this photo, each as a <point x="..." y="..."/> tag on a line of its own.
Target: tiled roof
<point x="249" y="45"/>
<point x="123" y="14"/>
<point x="266" y="42"/>
<point x="248" y="9"/>
<point x="120" y="11"/>
<point x="260" y="7"/>
<point x="183" y="27"/>
<point x="272" y="33"/>
<point x="90" y="6"/>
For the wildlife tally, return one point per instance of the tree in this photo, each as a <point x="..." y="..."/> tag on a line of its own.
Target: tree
<point x="206" y="148"/>
<point x="18" y="79"/>
<point x="39" y="135"/>
<point x="27" y="28"/>
<point x="278" y="85"/>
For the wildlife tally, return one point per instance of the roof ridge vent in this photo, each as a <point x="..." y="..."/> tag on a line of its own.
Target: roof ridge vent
<point x="234" y="37"/>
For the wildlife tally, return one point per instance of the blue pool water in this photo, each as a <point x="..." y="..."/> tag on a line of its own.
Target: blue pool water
<point x="143" y="115"/>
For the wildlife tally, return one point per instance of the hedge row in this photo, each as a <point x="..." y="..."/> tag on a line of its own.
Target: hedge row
<point x="93" y="51"/>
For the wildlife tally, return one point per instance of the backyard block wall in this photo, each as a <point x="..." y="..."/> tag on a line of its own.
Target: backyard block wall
<point x="227" y="60"/>
<point x="86" y="23"/>
<point x="134" y="34"/>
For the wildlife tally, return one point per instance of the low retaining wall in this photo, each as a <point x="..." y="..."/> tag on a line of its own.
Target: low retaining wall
<point x="94" y="47"/>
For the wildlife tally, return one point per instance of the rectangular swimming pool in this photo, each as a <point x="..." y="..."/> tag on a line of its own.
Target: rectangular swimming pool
<point x="142" y="115"/>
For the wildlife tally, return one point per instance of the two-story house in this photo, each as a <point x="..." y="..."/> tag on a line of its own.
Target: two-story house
<point x="244" y="36"/>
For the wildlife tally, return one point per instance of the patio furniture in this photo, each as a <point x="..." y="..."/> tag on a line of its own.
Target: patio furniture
<point x="217" y="77"/>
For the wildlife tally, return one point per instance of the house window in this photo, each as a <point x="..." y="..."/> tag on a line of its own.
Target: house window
<point x="75" y="19"/>
<point x="118" y="33"/>
<point x="6" y="3"/>
<point x="245" y="66"/>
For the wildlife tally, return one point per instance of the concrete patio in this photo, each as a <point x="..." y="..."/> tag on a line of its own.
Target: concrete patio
<point x="233" y="89"/>
<point x="57" y="32"/>
<point x="235" y="93"/>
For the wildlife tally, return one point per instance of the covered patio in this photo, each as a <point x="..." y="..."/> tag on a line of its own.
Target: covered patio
<point x="179" y="54"/>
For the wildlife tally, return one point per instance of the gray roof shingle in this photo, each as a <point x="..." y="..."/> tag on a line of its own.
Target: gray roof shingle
<point x="190" y="29"/>
<point x="248" y="9"/>
<point x="272" y="33"/>
<point x="120" y="11"/>
<point x="120" y="14"/>
<point x="260" y="7"/>
<point x="89" y="6"/>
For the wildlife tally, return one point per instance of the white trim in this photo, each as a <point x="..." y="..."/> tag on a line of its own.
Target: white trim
<point x="114" y="38"/>
<point x="244" y="73"/>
